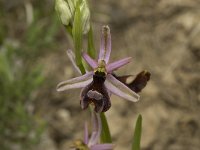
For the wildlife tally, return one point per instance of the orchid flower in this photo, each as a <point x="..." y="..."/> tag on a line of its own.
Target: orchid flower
<point x="92" y="142"/>
<point x="97" y="85"/>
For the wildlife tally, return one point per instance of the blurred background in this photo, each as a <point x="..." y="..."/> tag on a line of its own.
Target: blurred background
<point x="162" y="36"/>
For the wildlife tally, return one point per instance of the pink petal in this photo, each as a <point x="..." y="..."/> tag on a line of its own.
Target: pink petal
<point x="105" y="47"/>
<point x="71" y="56"/>
<point x="78" y="82"/>
<point x="117" y="64"/>
<point x="89" y="60"/>
<point x="96" y="122"/>
<point x="86" y="133"/>
<point x="93" y="139"/>
<point x="102" y="147"/>
<point x="118" y="88"/>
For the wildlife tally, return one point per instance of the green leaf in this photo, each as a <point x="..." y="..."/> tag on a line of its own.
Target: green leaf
<point x="137" y="134"/>
<point x="105" y="133"/>
<point x="78" y="37"/>
<point x="6" y="73"/>
<point x="91" y="48"/>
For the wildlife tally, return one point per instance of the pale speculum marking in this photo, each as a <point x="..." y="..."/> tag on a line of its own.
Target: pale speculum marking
<point x="94" y="95"/>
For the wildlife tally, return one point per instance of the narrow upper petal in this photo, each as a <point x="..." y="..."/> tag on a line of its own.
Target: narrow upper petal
<point x="89" y="60"/>
<point x="117" y="64"/>
<point x="71" y="56"/>
<point x="78" y="82"/>
<point x="118" y="88"/>
<point x="105" y="47"/>
<point x="105" y="146"/>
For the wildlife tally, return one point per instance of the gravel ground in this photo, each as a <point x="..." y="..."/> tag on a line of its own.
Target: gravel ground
<point x="163" y="37"/>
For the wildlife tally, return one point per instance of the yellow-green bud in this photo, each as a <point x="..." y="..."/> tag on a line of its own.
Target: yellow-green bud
<point x="66" y="11"/>
<point x="85" y="16"/>
<point x="63" y="10"/>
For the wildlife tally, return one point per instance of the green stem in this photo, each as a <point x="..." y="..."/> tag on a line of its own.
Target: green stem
<point x="78" y="37"/>
<point x="91" y="48"/>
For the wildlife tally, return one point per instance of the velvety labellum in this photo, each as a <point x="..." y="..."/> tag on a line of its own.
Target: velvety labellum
<point x="96" y="93"/>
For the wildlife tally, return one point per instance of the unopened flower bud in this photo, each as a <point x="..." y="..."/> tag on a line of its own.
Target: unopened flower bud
<point x="66" y="10"/>
<point x="85" y="16"/>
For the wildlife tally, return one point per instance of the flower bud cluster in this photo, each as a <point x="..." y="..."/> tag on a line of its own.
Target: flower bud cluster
<point x="66" y="11"/>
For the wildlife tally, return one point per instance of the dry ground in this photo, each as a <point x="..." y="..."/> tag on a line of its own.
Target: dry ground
<point x="163" y="37"/>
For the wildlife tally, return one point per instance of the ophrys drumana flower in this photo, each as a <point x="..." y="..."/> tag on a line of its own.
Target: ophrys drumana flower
<point x="100" y="83"/>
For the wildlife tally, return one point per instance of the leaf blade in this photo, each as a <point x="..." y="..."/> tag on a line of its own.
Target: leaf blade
<point x="137" y="134"/>
<point x="105" y="133"/>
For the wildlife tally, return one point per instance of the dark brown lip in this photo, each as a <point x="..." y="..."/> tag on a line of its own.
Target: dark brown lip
<point x="96" y="93"/>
